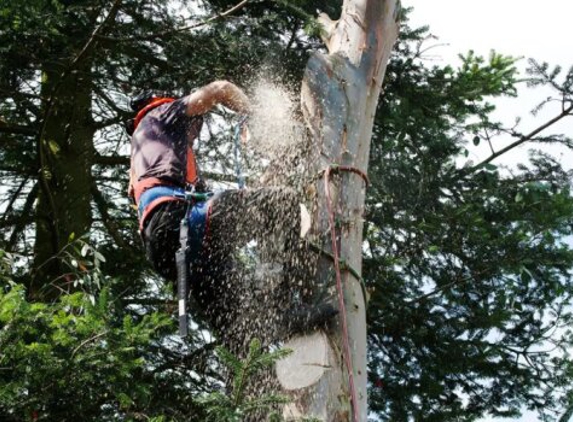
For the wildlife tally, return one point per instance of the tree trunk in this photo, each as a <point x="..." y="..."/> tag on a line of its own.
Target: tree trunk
<point x="339" y="97"/>
<point x="65" y="155"/>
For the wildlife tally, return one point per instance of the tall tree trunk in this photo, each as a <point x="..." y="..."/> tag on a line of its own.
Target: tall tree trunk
<point x="65" y="155"/>
<point x="339" y="96"/>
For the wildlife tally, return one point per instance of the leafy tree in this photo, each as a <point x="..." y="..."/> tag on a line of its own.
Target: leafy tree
<point x="85" y="358"/>
<point x="468" y="267"/>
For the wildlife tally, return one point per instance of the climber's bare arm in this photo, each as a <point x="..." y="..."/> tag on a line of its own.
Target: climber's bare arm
<point x="218" y="92"/>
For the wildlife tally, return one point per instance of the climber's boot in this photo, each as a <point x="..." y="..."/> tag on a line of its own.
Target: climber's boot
<point x="305" y="318"/>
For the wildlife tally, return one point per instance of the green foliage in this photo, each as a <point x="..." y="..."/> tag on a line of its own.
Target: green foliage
<point x="469" y="264"/>
<point x="5" y="266"/>
<point x="81" y="265"/>
<point x="238" y="405"/>
<point x="72" y="359"/>
<point x="84" y="357"/>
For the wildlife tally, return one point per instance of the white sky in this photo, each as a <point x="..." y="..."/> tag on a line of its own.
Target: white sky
<point x="520" y="28"/>
<point x="526" y="28"/>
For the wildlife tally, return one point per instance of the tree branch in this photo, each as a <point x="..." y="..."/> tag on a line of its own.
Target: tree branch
<point x="20" y="220"/>
<point x="101" y="124"/>
<point x="107" y="220"/>
<point x="88" y="340"/>
<point x="106" y="99"/>
<point x="26" y="216"/>
<point x="111" y="160"/>
<point x="16" y="129"/>
<point x="564" y="113"/>
<point x="226" y="13"/>
<point x="207" y="21"/>
<point x="111" y="15"/>
<point x="15" y="196"/>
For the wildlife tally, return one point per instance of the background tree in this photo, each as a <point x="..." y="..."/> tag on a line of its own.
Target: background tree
<point x="467" y="266"/>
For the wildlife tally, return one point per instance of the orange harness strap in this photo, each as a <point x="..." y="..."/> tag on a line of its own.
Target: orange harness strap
<point x="145" y="184"/>
<point x="155" y="103"/>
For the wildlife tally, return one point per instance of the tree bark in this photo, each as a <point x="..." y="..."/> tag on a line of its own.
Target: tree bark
<point x="65" y="153"/>
<point x="339" y="97"/>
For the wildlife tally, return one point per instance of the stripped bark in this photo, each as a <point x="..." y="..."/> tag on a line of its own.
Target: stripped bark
<point x="339" y="97"/>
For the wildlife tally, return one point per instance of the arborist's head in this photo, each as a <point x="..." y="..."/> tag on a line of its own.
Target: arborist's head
<point x="142" y="99"/>
<point x="141" y="104"/>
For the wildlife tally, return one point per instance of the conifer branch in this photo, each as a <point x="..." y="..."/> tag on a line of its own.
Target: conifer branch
<point x="26" y="216"/>
<point x="196" y="25"/>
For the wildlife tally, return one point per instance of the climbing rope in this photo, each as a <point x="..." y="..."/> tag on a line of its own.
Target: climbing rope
<point x="344" y="266"/>
<point x="341" y="304"/>
<point x="238" y="152"/>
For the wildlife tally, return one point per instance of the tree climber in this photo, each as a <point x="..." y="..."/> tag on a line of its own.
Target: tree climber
<point x="163" y="167"/>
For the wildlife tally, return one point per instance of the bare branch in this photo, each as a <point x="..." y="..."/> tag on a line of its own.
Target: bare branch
<point x="89" y="340"/>
<point x="16" y="129"/>
<point x="13" y="199"/>
<point x="441" y="289"/>
<point x="489" y="142"/>
<point x="110" y="102"/>
<point x="111" y="15"/>
<point x="107" y="220"/>
<point x="27" y="217"/>
<point x="111" y="160"/>
<point x="566" y="112"/>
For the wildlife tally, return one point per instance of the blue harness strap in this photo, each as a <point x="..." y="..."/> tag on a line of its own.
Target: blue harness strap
<point x="196" y="214"/>
<point x="193" y="228"/>
<point x="197" y="221"/>
<point x="155" y="193"/>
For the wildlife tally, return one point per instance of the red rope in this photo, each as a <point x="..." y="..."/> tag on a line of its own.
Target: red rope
<point x="341" y="304"/>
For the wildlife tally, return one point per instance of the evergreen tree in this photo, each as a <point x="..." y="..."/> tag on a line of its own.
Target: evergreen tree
<point x="468" y="267"/>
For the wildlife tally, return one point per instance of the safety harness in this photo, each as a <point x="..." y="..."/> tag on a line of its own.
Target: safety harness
<point x="192" y="230"/>
<point x="194" y="225"/>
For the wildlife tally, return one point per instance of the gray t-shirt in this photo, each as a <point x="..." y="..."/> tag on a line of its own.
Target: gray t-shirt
<point x="159" y="145"/>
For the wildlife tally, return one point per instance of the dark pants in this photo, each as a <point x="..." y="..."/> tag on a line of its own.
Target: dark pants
<point x="222" y="273"/>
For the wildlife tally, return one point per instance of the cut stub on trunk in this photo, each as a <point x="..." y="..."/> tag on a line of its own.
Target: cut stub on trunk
<point x="306" y="364"/>
<point x="311" y="363"/>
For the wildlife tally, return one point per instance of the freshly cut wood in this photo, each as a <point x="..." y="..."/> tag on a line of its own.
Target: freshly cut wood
<point x="307" y="363"/>
<point x="305" y="221"/>
<point x="313" y="361"/>
<point x="339" y="97"/>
